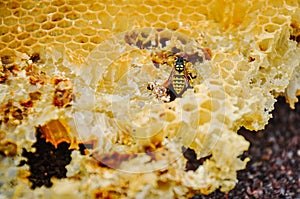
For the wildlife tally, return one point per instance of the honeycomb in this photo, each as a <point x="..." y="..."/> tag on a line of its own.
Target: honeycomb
<point x="79" y="70"/>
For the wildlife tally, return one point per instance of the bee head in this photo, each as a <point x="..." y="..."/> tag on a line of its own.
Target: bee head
<point x="179" y="64"/>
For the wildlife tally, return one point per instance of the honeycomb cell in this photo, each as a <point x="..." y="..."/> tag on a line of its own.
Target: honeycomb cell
<point x="56" y="32"/>
<point x="88" y="47"/>
<point x="10" y="21"/>
<point x="187" y="10"/>
<point x="29" y="41"/>
<point x="81" y="39"/>
<point x="4" y="12"/>
<point x="46" y="40"/>
<point x="173" y="25"/>
<point x="32" y="27"/>
<point x="48" y="26"/>
<point x="128" y="9"/>
<point x="73" y="46"/>
<point x="14" y="44"/>
<point x="28" y="5"/>
<point x="96" y="7"/>
<point x="165" y="18"/>
<point x="158" y="10"/>
<point x="8" y="38"/>
<point x="271" y="28"/>
<point x="26" y="20"/>
<point x="23" y="36"/>
<point x="49" y="10"/>
<point x="80" y="8"/>
<point x="96" y="40"/>
<point x="279" y="20"/>
<point x="63" y="39"/>
<point x="89" y="16"/>
<point x="72" y="31"/>
<point x="41" y="19"/>
<point x="151" y="17"/>
<point x="105" y="20"/>
<point x="64" y="24"/>
<point x="57" y="17"/>
<point x="3" y="30"/>
<point x="88" y="31"/>
<point x="35" y="12"/>
<point x="57" y="3"/>
<point x="111" y="10"/>
<point x="19" y="12"/>
<point x="196" y="17"/>
<point x="65" y="9"/>
<point x="12" y="5"/>
<point x="73" y="15"/>
<point x="39" y="33"/>
<point x="150" y="2"/>
<point x="144" y="9"/>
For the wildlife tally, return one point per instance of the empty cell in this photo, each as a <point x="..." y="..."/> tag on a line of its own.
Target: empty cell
<point x="144" y="9"/>
<point x="56" y="32"/>
<point x="24" y="49"/>
<point x="29" y="42"/>
<point x="64" y="24"/>
<point x="8" y="38"/>
<point x="49" y="10"/>
<point x="46" y="40"/>
<point x="19" y="12"/>
<point x="151" y="17"/>
<point x="26" y="19"/>
<point x="271" y="28"/>
<point x="48" y="26"/>
<point x="32" y="27"/>
<point x="12" y="5"/>
<point x="63" y="39"/>
<point x="279" y="20"/>
<point x="81" y="23"/>
<point x="73" y="15"/>
<point x="105" y="20"/>
<point x="89" y="16"/>
<point x="158" y="10"/>
<point x="58" y="2"/>
<point x="96" y="40"/>
<point x="14" y="44"/>
<point x="10" y="21"/>
<point x="88" y="47"/>
<point x="57" y="17"/>
<point x="88" y="31"/>
<point x="28" y="5"/>
<point x="128" y="9"/>
<point x="173" y="25"/>
<point x="39" y="33"/>
<point x="72" y="31"/>
<point x="23" y="36"/>
<point x="81" y="39"/>
<point x="112" y="10"/>
<point x="96" y="7"/>
<point x="41" y="18"/>
<point x="4" y="12"/>
<point x="165" y="18"/>
<point x="65" y="9"/>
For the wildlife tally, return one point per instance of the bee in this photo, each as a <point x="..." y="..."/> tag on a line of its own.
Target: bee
<point x="179" y="80"/>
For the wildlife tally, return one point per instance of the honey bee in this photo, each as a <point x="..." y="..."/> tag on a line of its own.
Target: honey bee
<point x="179" y="80"/>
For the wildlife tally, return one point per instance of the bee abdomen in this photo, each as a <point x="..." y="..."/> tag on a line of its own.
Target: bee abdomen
<point x="178" y="84"/>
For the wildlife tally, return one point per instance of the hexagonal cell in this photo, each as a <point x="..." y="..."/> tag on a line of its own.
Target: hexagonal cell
<point x="80" y="8"/>
<point x="64" y="24"/>
<point x="105" y="19"/>
<point x="19" y="12"/>
<point x="63" y="39"/>
<point x="49" y="10"/>
<point x="14" y="44"/>
<point x="10" y="21"/>
<point x="88" y="47"/>
<point x="128" y="9"/>
<point x="279" y="19"/>
<point x="158" y="9"/>
<point x="65" y="9"/>
<point x="73" y="46"/>
<point x="39" y="33"/>
<point x="26" y="20"/>
<point x="81" y="23"/>
<point x="88" y="31"/>
<point x="7" y="38"/>
<point x="196" y="17"/>
<point x="151" y="17"/>
<point x="73" y="15"/>
<point x="56" y="32"/>
<point x="3" y="30"/>
<point x="271" y="27"/>
<point x="96" y="40"/>
<point x="72" y="31"/>
<point x="4" y="12"/>
<point x="112" y="10"/>
<point x="46" y="40"/>
<point x="24" y="49"/>
<point x="166" y="18"/>
<point x="58" y="2"/>
<point x="29" y="41"/>
<point x="32" y="27"/>
<point x="173" y="25"/>
<point x="2" y="46"/>
<point x="89" y="16"/>
<point x="57" y="17"/>
<point x="35" y="12"/>
<point x="48" y="26"/>
<point x="96" y="7"/>
<point x="23" y="35"/>
<point x="150" y="2"/>
<point x="188" y="10"/>
<point x="81" y="39"/>
<point x="28" y="5"/>
<point x="41" y="18"/>
<point x="12" y="5"/>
